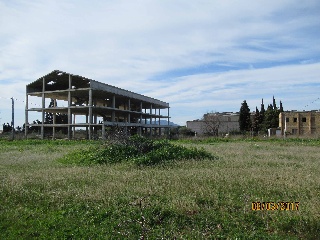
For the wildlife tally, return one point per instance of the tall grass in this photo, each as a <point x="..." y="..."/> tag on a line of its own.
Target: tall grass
<point x="42" y="198"/>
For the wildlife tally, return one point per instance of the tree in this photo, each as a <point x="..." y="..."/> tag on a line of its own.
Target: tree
<point x="262" y="112"/>
<point x="6" y="127"/>
<point x="49" y="116"/>
<point x="36" y="129"/>
<point x="256" y="121"/>
<point x="60" y="118"/>
<point x="268" y="118"/>
<point x="18" y="129"/>
<point x="244" y="117"/>
<point x="183" y="130"/>
<point x="211" y="124"/>
<point x="271" y="118"/>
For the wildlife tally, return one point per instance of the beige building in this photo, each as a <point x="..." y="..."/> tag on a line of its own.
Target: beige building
<point x="300" y="122"/>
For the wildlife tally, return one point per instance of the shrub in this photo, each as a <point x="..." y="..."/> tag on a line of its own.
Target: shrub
<point x="136" y="149"/>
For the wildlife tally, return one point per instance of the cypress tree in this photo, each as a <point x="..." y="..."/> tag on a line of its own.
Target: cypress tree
<point x="256" y="121"/>
<point x="244" y="117"/>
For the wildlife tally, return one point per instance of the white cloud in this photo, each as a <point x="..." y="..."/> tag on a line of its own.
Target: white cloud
<point x="151" y="47"/>
<point x="195" y="95"/>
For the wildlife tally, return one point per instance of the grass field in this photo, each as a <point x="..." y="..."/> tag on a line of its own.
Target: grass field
<point x="42" y="198"/>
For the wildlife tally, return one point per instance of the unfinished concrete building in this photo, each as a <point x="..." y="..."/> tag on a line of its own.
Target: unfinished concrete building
<point x="92" y="107"/>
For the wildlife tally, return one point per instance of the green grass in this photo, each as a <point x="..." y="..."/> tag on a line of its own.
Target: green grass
<point x="42" y="198"/>
<point x="137" y="150"/>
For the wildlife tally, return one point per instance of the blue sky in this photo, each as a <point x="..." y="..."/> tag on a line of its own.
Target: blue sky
<point x="199" y="56"/>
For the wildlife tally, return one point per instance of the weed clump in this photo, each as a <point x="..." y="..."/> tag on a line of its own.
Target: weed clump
<point x="138" y="150"/>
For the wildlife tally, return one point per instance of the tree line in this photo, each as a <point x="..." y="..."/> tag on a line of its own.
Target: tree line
<point x="262" y="120"/>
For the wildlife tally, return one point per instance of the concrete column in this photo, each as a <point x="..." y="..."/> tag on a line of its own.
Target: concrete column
<point x="54" y="121"/>
<point x="168" y="132"/>
<point x="69" y="109"/>
<point x="150" y="113"/>
<point x="113" y="114"/>
<point x="140" y="128"/>
<point x="90" y="113"/>
<point x="150" y="119"/>
<point x="168" y="116"/>
<point x="129" y="108"/>
<point x="159" y="123"/>
<point x="26" y="123"/>
<point x="103" y="131"/>
<point x="87" y="132"/>
<point x="160" y="130"/>
<point x="74" y="128"/>
<point x="43" y="106"/>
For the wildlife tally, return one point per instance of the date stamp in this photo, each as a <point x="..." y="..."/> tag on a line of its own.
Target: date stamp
<point x="274" y="206"/>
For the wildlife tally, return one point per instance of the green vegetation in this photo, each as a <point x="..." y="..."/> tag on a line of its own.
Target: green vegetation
<point x="138" y="150"/>
<point x="44" y="198"/>
<point x="244" y="117"/>
<point x="262" y="120"/>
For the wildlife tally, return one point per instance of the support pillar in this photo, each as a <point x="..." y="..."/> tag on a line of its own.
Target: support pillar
<point x="90" y="114"/>
<point x="103" y="131"/>
<point x="54" y="121"/>
<point x="150" y="119"/>
<point x="168" y="121"/>
<point x="129" y="108"/>
<point x="129" y="116"/>
<point x="87" y="131"/>
<point x="43" y="107"/>
<point x="26" y="123"/>
<point x="12" y="120"/>
<point x="74" y="128"/>
<point x="69" y="109"/>
<point x="150" y="113"/>
<point x="113" y="116"/>
<point x="159" y="123"/>
<point x="140" y="128"/>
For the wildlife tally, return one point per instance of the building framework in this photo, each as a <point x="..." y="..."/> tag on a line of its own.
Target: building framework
<point x="92" y="100"/>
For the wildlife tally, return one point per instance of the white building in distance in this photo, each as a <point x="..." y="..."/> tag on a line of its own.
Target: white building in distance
<point x="215" y="124"/>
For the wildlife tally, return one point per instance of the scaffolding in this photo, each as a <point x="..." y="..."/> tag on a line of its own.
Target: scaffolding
<point x="91" y="99"/>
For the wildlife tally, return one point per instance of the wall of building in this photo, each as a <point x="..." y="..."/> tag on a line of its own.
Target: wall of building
<point x="300" y="123"/>
<point x="226" y="123"/>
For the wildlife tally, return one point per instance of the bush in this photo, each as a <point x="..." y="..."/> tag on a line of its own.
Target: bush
<point x="136" y="149"/>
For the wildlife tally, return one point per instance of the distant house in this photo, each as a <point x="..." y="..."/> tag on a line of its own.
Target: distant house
<point x="215" y="124"/>
<point x="300" y="122"/>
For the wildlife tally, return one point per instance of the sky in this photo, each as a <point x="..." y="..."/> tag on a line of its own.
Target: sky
<point x="199" y="56"/>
